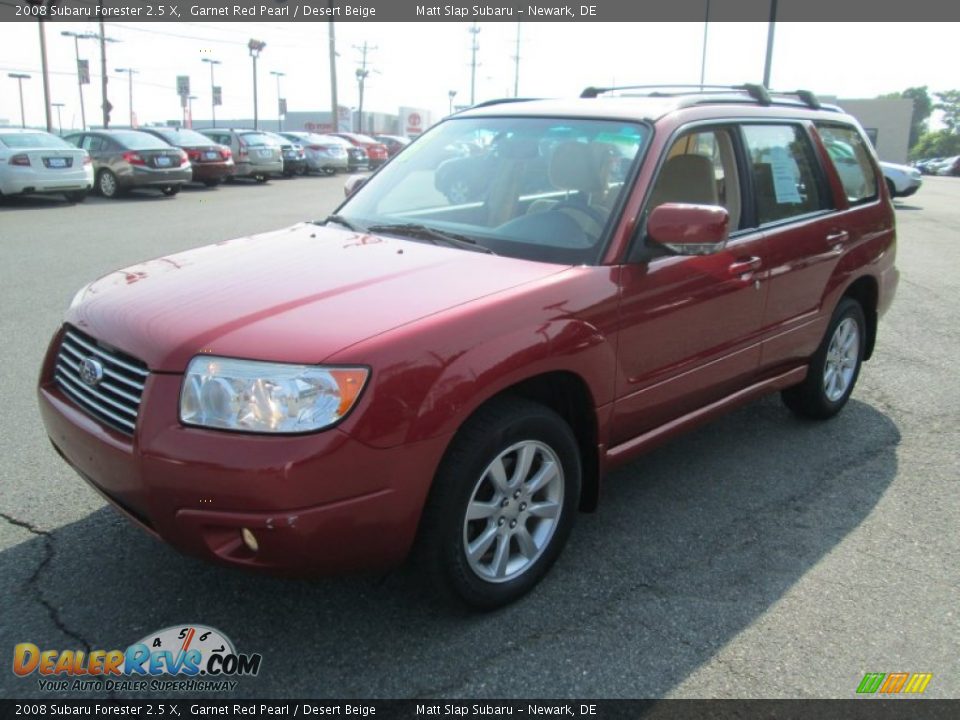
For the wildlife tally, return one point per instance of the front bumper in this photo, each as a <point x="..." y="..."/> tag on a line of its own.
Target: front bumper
<point x="317" y="504"/>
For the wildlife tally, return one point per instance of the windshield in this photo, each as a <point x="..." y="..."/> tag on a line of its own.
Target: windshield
<point x="255" y="139"/>
<point x="134" y="140"/>
<point x="182" y="136"/>
<point x="33" y="140"/>
<point x="534" y="188"/>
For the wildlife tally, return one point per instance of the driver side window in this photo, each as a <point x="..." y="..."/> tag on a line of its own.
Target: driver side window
<point x="700" y="169"/>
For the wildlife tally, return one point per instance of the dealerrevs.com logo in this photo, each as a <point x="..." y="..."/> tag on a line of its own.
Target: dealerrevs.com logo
<point x="185" y="658"/>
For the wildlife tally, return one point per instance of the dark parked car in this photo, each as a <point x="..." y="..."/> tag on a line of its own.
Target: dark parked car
<point x="127" y="159"/>
<point x="211" y="163"/>
<point x="324" y="153"/>
<point x="293" y="154"/>
<point x="412" y="376"/>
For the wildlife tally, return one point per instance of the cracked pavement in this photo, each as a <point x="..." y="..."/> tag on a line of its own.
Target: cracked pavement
<point x="759" y="556"/>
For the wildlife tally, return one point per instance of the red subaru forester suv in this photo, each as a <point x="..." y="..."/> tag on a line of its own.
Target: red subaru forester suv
<point x="451" y="381"/>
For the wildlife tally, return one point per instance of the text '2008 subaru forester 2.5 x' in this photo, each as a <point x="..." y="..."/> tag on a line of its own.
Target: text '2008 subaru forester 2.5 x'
<point x="451" y="378"/>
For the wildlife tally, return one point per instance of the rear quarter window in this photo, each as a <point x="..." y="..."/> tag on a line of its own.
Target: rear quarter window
<point x="851" y="158"/>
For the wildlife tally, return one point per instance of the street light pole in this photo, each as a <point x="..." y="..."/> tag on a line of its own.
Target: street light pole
<point x="59" y="119"/>
<point x="278" y="75"/>
<point x="130" y="73"/>
<point x="451" y="94"/>
<point x="213" y="92"/>
<point x="255" y="47"/>
<point x="770" y="27"/>
<point x="20" y="77"/>
<point x="80" y="83"/>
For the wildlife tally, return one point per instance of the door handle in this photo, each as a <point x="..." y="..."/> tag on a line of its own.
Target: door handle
<point x="743" y="266"/>
<point x="838" y="237"/>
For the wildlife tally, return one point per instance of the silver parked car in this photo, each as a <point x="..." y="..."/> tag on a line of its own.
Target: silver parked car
<point x="325" y="153"/>
<point x="127" y="159"/>
<point x="256" y="154"/>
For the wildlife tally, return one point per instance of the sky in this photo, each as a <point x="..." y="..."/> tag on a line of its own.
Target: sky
<point x="418" y="64"/>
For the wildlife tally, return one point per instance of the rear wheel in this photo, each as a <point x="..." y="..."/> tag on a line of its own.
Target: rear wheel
<point x="107" y="184"/>
<point x="835" y="366"/>
<point x="891" y="187"/>
<point x="502" y="504"/>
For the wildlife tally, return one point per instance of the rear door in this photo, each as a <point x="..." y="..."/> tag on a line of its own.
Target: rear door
<point x="795" y="209"/>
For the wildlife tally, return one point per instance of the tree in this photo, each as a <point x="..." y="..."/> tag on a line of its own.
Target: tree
<point x="949" y="105"/>
<point x="922" y="107"/>
<point x="941" y="143"/>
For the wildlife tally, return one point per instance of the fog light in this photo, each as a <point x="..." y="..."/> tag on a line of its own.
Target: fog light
<point x="250" y="540"/>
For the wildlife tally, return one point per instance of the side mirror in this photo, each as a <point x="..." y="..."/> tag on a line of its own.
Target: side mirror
<point x="353" y="183"/>
<point x="689" y="229"/>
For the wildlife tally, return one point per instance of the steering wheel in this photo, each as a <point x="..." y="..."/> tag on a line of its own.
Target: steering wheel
<point x="590" y="220"/>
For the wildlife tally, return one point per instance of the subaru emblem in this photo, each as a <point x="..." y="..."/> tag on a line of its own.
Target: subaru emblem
<point x="91" y="371"/>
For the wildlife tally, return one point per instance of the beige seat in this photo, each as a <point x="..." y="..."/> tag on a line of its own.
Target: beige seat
<point x="686" y="179"/>
<point x="580" y="168"/>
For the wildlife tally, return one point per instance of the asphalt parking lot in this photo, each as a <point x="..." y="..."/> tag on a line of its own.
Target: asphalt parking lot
<point x="760" y="556"/>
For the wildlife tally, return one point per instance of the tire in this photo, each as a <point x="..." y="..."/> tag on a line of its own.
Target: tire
<point x="261" y="179"/>
<point x="891" y="187"/>
<point x="834" y="368"/>
<point x="107" y="184"/>
<point x="212" y="183"/>
<point x="171" y="190"/>
<point x="513" y="546"/>
<point x="77" y="196"/>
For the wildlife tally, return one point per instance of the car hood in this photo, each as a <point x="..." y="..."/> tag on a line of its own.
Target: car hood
<point x="295" y="295"/>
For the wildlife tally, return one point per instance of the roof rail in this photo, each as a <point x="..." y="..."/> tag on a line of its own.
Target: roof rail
<point x="500" y="101"/>
<point x="761" y="94"/>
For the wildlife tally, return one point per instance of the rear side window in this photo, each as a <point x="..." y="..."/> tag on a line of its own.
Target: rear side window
<point x="852" y="160"/>
<point x="782" y="163"/>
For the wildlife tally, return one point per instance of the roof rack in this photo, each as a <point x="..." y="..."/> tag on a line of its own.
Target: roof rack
<point x="759" y="93"/>
<point x="500" y="101"/>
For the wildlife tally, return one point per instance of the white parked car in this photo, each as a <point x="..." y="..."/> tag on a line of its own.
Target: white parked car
<point x="902" y="180"/>
<point x="950" y="166"/>
<point x="34" y="161"/>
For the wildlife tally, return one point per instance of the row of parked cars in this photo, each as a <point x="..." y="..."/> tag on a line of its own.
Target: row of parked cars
<point x="939" y="166"/>
<point x="112" y="162"/>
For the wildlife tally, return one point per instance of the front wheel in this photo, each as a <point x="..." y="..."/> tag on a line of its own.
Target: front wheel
<point x="835" y="366"/>
<point x="502" y="504"/>
<point x="261" y="179"/>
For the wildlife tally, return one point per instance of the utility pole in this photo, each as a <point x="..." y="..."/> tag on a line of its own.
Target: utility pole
<point x="59" y="119"/>
<point x="130" y="73"/>
<point x="362" y="74"/>
<point x="46" y="76"/>
<point x="280" y="103"/>
<point x="334" y="108"/>
<point x="770" y="27"/>
<point x="255" y="47"/>
<point x="516" y="65"/>
<point x="474" y="31"/>
<point x="703" y="57"/>
<point x="213" y="90"/>
<point x="83" y="70"/>
<point x="107" y="107"/>
<point x="20" y="77"/>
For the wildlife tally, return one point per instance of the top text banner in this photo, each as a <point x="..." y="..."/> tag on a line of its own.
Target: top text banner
<point x="495" y="11"/>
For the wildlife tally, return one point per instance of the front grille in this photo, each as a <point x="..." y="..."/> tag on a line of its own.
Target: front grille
<point x="115" y="398"/>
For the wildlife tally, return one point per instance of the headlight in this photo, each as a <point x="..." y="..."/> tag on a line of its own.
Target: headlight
<point x="252" y="396"/>
<point x="78" y="297"/>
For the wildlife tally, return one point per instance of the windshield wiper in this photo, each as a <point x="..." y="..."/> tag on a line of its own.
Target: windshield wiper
<point x="339" y="220"/>
<point x="437" y="237"/>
